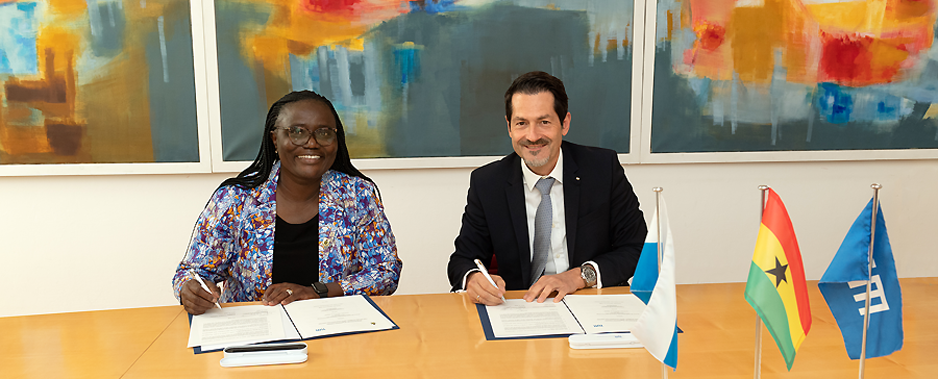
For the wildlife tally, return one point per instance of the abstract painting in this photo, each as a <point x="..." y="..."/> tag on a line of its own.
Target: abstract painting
<point x="795" y="75"/>
<point x="96" y="81"/>
<point x="422" y="78"/>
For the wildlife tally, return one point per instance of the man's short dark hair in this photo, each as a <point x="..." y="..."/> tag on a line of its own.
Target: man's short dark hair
<point x="534" y="83"/>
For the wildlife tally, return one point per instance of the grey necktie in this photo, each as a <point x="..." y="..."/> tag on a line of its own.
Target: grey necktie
<point x="542" y="225"/>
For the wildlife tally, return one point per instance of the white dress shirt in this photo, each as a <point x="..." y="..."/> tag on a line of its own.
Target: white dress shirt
<point x="557" y="255"/>
<point x="558" y="260"/>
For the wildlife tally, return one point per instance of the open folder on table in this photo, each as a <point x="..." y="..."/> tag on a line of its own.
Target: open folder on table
<point x="576" y="314"/>
<point x="300" y="320"/>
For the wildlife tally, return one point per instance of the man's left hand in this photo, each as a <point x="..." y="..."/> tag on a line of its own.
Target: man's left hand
<point x="564" y="283"/>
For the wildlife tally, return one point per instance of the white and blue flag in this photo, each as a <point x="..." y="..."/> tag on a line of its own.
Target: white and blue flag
<point x="657" y="326"/>
<point x="844" y="288"/>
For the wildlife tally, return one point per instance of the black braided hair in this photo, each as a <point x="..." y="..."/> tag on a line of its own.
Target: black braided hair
<point x="259" y="170"/>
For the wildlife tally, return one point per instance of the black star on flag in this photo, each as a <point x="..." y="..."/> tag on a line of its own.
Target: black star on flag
<point x="779" y="272"/>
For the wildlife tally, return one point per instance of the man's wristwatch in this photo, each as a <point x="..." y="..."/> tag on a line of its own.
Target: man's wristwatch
<point x="588" y="274"/>
<point x="321" y="290"/>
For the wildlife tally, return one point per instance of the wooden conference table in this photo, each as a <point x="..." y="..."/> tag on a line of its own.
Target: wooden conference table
<point x="440" y="337"/>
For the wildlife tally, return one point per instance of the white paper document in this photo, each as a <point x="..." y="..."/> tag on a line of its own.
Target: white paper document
<point x="336" y="315"/>
<point x="517" y="318"/>
<point x="605" y="313"/>
<point x="236" y="326"/>
<point x="243" y="325"/>
<point x="576" y="314"/>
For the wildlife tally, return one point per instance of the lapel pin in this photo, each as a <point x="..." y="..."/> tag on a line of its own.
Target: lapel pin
<point x="577" y="178"/>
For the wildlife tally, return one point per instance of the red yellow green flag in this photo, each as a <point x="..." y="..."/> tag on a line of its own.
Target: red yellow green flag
<point x="776" y="287"/>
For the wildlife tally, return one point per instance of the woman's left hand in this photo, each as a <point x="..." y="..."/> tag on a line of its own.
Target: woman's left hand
<point x="286" y="293"/>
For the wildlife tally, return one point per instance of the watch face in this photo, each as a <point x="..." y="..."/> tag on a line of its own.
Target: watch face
<point x="588" y="275"/>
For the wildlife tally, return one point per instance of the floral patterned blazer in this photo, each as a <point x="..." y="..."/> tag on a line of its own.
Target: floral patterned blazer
<point x="233" y="240"/>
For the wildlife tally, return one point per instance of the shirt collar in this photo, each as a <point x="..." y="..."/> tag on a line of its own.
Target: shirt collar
<point x="530" y="178"/>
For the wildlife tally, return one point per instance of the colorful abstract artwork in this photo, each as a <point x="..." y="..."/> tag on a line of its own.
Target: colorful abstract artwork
<point x="96" y="81"/>
<point x="795" y="75"/>
<point x="422" y="78"/>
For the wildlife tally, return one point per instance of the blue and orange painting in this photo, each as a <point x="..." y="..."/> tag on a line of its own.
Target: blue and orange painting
<point x="96" y="81"/>
<point x="795" y="75"/>
<point x="423" y="78"/>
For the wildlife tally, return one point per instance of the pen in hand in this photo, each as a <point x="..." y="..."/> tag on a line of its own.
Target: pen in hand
<point x="486" y="274"/>
<point x="195" y="276"/>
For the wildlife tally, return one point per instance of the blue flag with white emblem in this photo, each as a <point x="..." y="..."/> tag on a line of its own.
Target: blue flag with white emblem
<point x="844" y="288"/>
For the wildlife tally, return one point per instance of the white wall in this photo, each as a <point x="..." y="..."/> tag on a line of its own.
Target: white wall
<point x="70" y="243"/>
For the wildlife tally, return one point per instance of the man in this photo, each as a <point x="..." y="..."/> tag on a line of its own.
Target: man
<point x="557" y="216"/>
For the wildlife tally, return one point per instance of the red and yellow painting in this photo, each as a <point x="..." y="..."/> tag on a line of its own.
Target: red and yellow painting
<point x="96" y="81"/>
<point x="422" y="78"/>
<point x="757" y="75"/>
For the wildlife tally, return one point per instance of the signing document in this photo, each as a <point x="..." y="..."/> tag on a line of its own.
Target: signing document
<point x="300" y="320"/>
<point x="576" y="314"/>
<point x="605" y="313"/>
<point x="519" y="318"/>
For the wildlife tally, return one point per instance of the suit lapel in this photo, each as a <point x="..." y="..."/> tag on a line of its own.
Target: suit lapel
<point x="519" y="220"/>
<point x="571" y="199"/>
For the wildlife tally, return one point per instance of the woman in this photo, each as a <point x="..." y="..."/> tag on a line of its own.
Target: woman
<point x="258" y="231"/>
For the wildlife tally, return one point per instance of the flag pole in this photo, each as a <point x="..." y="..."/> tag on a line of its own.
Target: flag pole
<point x="758" y="350"/>
<point x="657" y="190"/>
<point x="658" y="225"/>
<point x="869" y="277"/>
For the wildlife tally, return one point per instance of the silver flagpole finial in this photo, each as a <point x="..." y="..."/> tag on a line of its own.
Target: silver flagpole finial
<point x="763" y="187"/>
<point x="657" y="189"/>
<point x="876" y="186"/>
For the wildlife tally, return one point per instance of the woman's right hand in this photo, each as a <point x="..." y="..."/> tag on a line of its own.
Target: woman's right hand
<point x="194" y="298"/>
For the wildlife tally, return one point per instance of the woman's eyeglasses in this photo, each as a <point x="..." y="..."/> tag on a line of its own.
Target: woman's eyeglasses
<point x="300" y="136"/>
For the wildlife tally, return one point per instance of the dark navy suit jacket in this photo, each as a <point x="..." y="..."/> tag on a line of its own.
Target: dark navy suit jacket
<point x="603" y="221"/>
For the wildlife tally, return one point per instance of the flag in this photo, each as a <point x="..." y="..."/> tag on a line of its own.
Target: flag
<point x="844" y="288"/>
<point x="776" y="287"/>
<point x="656" y="327"/>
<point x="646" y="272"/>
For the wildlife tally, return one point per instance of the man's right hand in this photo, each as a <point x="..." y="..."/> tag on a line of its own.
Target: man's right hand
<point x="196" y="301"/>
<point x="481" y="291"/>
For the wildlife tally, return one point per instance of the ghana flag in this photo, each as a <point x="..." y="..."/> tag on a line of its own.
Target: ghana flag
<point x="776" y="287"/>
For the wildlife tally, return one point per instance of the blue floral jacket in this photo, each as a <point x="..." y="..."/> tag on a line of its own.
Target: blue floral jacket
<point x="233" y="240"/>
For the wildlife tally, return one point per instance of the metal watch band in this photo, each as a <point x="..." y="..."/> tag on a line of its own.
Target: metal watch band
<point x="588" y="274"/>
